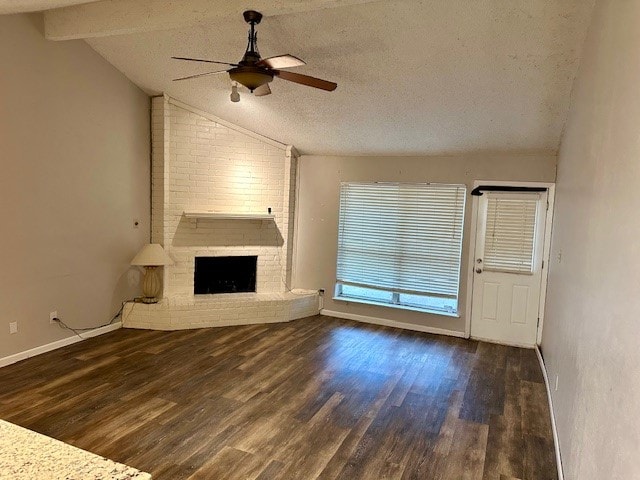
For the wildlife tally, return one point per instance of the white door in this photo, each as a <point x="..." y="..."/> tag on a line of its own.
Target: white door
<point x="508" y="267"/>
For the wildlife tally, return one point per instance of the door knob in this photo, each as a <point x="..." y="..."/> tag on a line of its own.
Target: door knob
<point x="478" y="270"/>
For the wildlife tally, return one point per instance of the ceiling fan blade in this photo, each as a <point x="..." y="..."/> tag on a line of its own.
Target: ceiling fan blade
<point x="205" y="61"/>
<point x="306" y="80"/>
<point x="281" y="61"/>
<point x="262" y="90"/>
<point x="198" y="75"/>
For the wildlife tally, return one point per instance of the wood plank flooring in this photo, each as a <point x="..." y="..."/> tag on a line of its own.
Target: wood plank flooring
<point x="318" y="398"/>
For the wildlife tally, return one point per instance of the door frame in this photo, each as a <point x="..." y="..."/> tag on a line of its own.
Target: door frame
<point x="546" y="249"/>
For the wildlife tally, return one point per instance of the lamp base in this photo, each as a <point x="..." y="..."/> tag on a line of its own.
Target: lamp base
<point x="150" y="285"/>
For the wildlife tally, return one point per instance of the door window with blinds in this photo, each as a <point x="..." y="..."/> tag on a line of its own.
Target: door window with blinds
<point x="399" y="244"/>
<point x="510" y="233"/>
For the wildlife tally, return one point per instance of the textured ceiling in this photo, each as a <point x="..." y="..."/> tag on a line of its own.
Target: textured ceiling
<point x="20" y="6"/>
<point x="414" y="77"/>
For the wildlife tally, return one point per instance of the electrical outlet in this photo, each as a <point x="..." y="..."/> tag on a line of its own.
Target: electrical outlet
<point x="13" y="327"/>
<point x="557" y="378"/>
<point x="53" y="316"/>
<point x="321" y="292"/>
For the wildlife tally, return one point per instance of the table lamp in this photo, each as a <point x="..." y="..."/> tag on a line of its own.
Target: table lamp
<point x="151" y="256"/>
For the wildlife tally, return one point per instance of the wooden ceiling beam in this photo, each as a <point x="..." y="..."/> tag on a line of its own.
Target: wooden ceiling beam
<point x="119" y="17"/>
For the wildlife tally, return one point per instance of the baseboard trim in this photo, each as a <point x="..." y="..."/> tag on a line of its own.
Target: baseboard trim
<point x="554" y="429"/>
<point x="57" y="344"/>
<point x="392" y="323"/>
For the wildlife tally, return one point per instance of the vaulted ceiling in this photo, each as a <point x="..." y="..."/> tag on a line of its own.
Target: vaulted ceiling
<point x="414" y="76"/>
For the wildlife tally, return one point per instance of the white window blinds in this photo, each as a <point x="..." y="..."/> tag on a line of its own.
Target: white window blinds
<point x="510" y="233"/>
<point x="401" y="237"/>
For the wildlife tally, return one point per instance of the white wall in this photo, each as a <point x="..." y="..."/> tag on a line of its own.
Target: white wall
<point x="318" y="208"/>
<point x="74" y="173"/>
<point x="592" y="324"/>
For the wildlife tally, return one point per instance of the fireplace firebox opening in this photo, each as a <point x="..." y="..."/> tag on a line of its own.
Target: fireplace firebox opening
<point x="234" y="274"/>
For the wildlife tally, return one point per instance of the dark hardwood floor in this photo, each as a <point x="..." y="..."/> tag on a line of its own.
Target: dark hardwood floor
<point x="318" y="398"/>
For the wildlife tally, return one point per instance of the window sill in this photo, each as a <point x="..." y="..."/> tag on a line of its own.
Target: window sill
<point x="397" y="307"/>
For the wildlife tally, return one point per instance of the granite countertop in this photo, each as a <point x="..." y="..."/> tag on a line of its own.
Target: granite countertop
<point x="27" y="455"/>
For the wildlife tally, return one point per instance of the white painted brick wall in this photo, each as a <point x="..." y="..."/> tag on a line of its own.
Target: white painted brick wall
<point x="201" y="164"/>
<point x="158" y="148"/>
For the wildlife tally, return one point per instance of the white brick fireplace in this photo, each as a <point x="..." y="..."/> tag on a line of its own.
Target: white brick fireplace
<point x="220" y="190"/>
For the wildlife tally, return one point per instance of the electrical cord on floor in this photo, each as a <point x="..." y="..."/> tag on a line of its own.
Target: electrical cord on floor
<point x="78" y="330"/>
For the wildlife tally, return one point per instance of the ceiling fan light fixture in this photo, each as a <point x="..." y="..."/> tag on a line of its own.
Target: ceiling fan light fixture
<point x="235" y="96"/>
<point x="250" y="77"/>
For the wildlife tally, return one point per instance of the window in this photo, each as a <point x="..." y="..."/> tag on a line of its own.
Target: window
<point x="510" y="233"/>
<point x="399" y="244"/>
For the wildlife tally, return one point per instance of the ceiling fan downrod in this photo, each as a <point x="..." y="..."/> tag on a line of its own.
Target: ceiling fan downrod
<point x="253" y="18"/>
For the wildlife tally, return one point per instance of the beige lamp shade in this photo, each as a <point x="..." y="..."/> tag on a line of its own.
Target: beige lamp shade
<point x="151" y="255"/>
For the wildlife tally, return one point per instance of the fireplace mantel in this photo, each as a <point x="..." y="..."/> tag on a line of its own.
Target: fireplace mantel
<point x="213" y="215"/>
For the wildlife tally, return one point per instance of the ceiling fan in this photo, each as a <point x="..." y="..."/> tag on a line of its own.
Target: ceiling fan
<point x="255" y="72"/>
